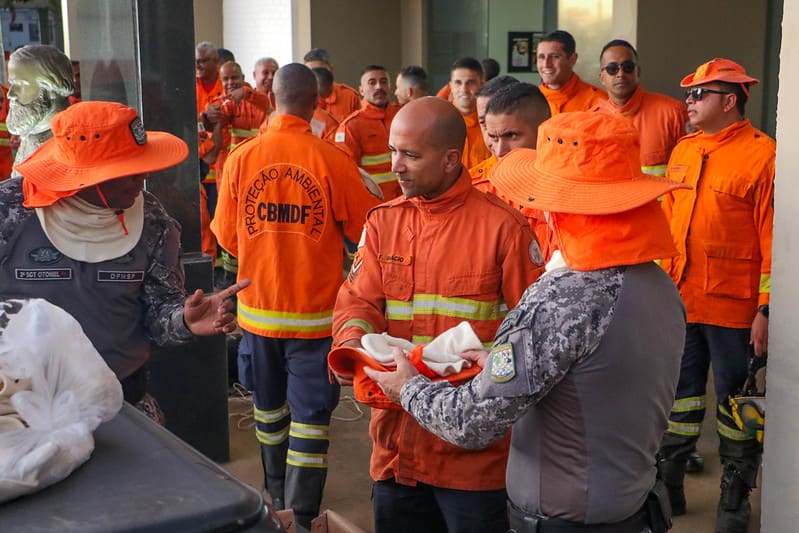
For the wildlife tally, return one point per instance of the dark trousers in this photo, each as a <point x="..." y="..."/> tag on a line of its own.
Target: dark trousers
<point x="728" y="350"/>
<point x="424" y="508"/>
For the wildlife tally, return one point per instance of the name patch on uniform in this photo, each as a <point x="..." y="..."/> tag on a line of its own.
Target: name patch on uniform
<point x="285" y="198"/>
<point x="395" y="258"/>
<point x="120" y="276"/>
<point x="503" y="365"/>
<point x="43" y="274"/>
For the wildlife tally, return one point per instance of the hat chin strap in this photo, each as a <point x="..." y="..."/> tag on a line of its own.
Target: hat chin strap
<point x="120" y="213"/>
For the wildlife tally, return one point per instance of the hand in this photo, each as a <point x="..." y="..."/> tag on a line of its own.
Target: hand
<point x="477" y="357"/>
<point x="345" y="379"/>
<point x="213" y="113"/>
<point x="759" y="336"/>
<point x="391" y="382"/>
<point x="210" y="315"/>
<point x="237" y="94"/>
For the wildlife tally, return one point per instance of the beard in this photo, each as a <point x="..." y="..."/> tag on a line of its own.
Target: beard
<point x="22" y="119"/>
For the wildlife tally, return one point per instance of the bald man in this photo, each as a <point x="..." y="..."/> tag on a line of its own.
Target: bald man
<point x="417" y="283"/>
<point x="290" y="195"/>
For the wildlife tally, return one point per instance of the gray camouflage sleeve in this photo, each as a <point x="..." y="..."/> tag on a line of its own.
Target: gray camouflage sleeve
<point x="559" y="320"/>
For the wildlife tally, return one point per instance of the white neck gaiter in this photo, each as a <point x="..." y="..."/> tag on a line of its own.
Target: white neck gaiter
<point x="86" y="232"/>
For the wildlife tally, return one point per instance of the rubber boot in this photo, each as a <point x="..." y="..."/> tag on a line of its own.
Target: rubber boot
<point x="695" y="463"/>
<point x="304" y="488"/>
<point x="734" y="509"/>
<point x="273" y="459"/>
<point x="672" y="472"/>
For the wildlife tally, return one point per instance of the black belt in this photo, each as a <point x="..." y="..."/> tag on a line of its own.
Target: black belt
<point x="521" y="522"/>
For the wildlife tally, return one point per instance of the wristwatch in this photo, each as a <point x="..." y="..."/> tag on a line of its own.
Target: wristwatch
<point x="763" y="310"/>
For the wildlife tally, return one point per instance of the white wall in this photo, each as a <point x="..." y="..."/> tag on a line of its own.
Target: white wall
<point x="257" y="28"/>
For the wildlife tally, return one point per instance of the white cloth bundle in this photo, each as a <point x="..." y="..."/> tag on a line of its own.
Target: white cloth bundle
<point x="71" y="391"/>
<point x="441" y="354"/>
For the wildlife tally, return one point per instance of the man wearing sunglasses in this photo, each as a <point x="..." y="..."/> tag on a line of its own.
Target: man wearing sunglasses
<point x="563" y="89"/>
<point x="723" y="230"/>
<point x="658" y="118"/>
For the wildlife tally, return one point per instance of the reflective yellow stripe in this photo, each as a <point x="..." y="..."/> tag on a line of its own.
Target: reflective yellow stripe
<point x="686" y="429"/>
<point x="691" y="403"/>
<point x="358" y="323"/>
<point x="376" y="159"/>
<point x="655" y="170"/>
<point x="435" y="304"/>
<point x="3" y="126"/>
<point x="284" y="321"/>
<point x="272" y="439"/>
<point x="211" y="176"/>
<point x="383" y="177"/>
<point x="308" y="460"/>
<point x="229" y="263"/>
<point x="5" y="142"/>
<point x="270" y="417"/>
<point x="730" y="433"/>
<point x="246" y="134"/>
<point x="765" y="283"/>
<point x="309" y="431"/>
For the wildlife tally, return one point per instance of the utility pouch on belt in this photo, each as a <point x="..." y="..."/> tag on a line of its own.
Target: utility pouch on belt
<point x="659" y="508"/>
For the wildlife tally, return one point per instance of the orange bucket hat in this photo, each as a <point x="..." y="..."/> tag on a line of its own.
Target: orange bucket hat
<point x="94" y="142"/>
<point x="351" y="362"/>
<point x="585" y="163"/>
<point x="718" y="70"/>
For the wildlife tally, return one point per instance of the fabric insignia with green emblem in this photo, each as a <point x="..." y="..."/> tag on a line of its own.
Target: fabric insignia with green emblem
<point x="503" y="366"/>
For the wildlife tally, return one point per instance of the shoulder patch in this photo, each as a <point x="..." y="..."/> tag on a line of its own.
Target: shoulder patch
<point x="503" y="365"/>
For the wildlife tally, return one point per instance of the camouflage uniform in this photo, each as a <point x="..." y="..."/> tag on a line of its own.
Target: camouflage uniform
<point x="584" y="369"/>
<point x="120" y="316"/>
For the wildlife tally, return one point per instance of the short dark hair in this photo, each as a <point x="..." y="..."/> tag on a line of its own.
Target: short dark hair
<point x="516" y="96"/>
<point x="225" y="55"/>
<point x="490" y="68"/>
<point x="564" y="38"/>
<point x="469" y="63"/>
<point x="317" y="54"/>
<point x="619" y="42"/>
<point x="323" y="77"/>
<point x="741" y="95"/>
<point x="416" y="77"/>
<point x="493" y="86"/>
<point x="370" y="68"/>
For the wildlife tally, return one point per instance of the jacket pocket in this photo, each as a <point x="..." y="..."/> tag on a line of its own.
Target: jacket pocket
<point x="486" y="283"/>
<point x="734" y="187"/>
<point x="398" y="281"/>
<point x="730" y="270"/>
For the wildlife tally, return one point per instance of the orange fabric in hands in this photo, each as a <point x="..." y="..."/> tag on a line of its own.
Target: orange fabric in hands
<point x="576" y="95"/>
<point x="723" y="227"/>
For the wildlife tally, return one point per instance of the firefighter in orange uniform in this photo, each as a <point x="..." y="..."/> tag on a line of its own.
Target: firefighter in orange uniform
<point x="480" y="171"/>
<point x="287" y="200"/>
<point x="659" y="118"/>
<point x="564" y="90"/>
<point x="722" y="228"/>
<point x="365" y="132"/>
<point x="342" y="100"/>
<point x="465" y="79"/>
<point x="416" y="274"/>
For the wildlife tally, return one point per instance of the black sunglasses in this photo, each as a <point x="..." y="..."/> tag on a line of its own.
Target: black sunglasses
<point x="613" y="68"/>
<point x="697" y="93"/>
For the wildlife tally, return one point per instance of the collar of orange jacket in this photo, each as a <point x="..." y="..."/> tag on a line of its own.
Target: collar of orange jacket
<point x="370" y="110"/>
<point x="711" y="141"/>
<point x="288" y="122"/>
<point x="630" y="107"/>
<point x="452" y="198"/>
<point x="471" y="119"/>
<point x="564" y="93"/>
<point x="592" y="242"/>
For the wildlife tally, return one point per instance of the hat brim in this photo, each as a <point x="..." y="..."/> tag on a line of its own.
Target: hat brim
<point x="688" y="81"/>
<point x="43" y="168"/>
<point x="517" y="178"/>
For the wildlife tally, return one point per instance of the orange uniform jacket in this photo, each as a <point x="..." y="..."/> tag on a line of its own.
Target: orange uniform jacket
<point x="481" y="180"/>
<point x="475" y="150"/>
<point x="417" y="273"/>
<point x="723" y="226"/>
<point x="240" y="121"/>
<point x="203" y="99"/>
<point x="365" y="134"/>
<point x="323" y="124"/>
<point x="342" y="102"/>
<point x="576" y="95"/>
<point x="286" y="200"/>
<point x="659" y="119"/>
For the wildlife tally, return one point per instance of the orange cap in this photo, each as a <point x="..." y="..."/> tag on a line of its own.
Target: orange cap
<point x="585" y="163"/>
<point x="718" y="70"/>
<point x="94" y="142"/>
<point x="351" y="362"/>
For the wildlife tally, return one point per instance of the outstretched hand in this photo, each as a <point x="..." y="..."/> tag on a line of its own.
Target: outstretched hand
<point x="210" y="315"/>
<point x="391" y="382"/>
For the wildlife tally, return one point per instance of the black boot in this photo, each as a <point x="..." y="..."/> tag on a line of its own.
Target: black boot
<point x="273" y="459"/>
<point x="734" y="510"/>
<point x="304" y="487"/>
<point x="695" y="463"/>
<point x="672" y="472"/>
